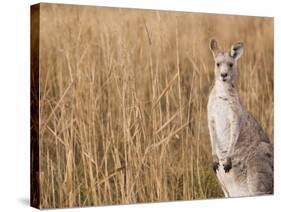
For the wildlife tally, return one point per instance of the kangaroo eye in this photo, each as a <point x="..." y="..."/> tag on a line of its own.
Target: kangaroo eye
<point x="230" y="65"/>
<point x="218" y="64"/>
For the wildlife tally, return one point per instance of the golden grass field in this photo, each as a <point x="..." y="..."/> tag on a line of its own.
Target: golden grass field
<point x="123" y="100"/>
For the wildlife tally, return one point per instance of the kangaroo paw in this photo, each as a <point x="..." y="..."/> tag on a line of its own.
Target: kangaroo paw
<point x="215" y="163"/>
<point x="227" y="165"/>
<point x="215" y="166"/>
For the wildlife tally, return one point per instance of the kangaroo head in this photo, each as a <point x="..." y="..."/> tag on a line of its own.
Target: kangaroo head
<point x="226" y="61"/>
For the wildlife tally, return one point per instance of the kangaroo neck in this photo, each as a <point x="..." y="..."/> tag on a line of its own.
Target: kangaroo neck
<point x="225" y="89"/>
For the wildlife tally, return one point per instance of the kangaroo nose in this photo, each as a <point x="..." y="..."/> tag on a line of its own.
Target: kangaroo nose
<point x="224" y="75"/>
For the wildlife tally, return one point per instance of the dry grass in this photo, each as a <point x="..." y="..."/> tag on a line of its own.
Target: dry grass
<point x="123" y="97"/>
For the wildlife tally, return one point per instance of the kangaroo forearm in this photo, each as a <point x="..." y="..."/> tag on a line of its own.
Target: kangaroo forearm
<point x="213" y="137"/>
<point x="234" y="134"/>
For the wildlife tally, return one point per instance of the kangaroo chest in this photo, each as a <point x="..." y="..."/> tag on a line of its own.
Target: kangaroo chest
<point x="222" y="113"/>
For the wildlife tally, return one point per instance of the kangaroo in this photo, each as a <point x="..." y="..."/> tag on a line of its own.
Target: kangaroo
<point x="241" y="150"/>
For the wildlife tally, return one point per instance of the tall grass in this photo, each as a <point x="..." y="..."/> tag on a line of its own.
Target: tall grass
<point x="123" y="97"/>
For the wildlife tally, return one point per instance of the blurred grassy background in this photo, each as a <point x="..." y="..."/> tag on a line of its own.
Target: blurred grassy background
<point x="123" y="97"/>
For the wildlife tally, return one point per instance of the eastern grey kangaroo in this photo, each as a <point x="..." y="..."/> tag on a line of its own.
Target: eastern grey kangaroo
<point x="241" y="150"/>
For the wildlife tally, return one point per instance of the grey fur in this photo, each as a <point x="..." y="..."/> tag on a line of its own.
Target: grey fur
<point x="242" y="152"/>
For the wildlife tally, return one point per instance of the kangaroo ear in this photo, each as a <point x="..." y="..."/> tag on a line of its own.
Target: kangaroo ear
<point x="237" y="50"/>
<point x="214" y="47"/>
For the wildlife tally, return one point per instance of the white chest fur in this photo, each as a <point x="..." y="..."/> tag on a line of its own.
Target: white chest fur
<point x="222" y="110"/>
